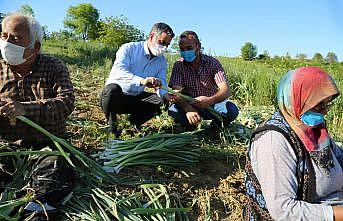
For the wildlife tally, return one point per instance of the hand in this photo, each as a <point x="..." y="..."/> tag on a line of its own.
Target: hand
<point x="193" y="117"/>
<point x="12" y="109"/>
<point x="151" y="82"/>
<point x="201" y="101"/>
<point x="172" y="98"/>
<point x="337" y="213"/>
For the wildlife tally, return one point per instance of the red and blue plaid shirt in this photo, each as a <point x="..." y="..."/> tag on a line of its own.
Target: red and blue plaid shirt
<point x="201" y="82"/>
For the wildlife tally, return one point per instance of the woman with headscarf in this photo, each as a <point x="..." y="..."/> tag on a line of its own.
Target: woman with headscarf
<point x="294" y="168"/>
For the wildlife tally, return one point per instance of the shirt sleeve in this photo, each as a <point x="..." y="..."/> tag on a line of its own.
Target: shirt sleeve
<point x="176" y="75"/>
<point x="61" y="103"/>
<point x="120" y="70"/>
<point x="274" y="163"/>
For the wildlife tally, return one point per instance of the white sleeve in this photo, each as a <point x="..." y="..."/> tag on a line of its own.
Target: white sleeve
<point x="274" y="163"/>
<point x="120" y="70"/>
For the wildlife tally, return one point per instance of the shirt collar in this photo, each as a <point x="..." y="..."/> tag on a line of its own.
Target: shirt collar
<point x="146" y="49"/>
<point x="37" y="63"/>
<point x="34" y="66"/>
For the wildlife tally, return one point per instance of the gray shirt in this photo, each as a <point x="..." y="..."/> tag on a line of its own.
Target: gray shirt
<point x="274" y="163"/>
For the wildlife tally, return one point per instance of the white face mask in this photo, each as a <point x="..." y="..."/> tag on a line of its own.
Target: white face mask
<point x="12" y="54"/>
<point x="158" y="50"/>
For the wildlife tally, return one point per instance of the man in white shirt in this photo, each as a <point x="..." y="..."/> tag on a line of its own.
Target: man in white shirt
<point x="137" y="65"/>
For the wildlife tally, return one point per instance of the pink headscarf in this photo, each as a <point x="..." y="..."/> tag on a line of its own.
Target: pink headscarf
<point x="300" y="91"/>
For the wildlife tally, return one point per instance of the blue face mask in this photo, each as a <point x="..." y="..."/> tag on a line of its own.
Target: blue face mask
<point x="189" y="55"/>
<point x="312" y="118"/>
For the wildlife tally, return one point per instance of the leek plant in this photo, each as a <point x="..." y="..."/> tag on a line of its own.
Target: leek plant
<point x="173" y="150"/>
<point x="94" y="169"/>
<point x="8" y="205"/>
<point x="190" y="99"/>
<point x="153" y="203"/>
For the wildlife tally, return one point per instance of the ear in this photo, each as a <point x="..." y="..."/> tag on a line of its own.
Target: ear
<point x="151" y="36"/>
<point x="198" y="47"/>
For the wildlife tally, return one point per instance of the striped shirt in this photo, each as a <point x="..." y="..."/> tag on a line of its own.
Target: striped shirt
<point x="201" y="82"/>
<point x="46" y="94"/>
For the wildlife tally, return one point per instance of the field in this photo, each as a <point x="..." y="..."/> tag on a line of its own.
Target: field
<point x="214" y="186"/>
<point x="216" y="183"/>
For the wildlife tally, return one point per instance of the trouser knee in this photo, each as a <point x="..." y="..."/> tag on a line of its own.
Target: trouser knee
<point x="52" y="179"/>
<point x="107" y="95"/>
<point x="232" y="111"/>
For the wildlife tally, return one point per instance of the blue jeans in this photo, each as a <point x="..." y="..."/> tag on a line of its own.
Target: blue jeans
<point x="227" y="109"/>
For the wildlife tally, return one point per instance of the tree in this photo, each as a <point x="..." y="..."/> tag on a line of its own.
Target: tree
<point x="287" y="56"/>
<point x="175" y="43"/>
<point x="265" y="55"/>
<point x="248" y="51"/>
<point x="82" y="20"/>
<point x="331" y="57"/>
<point x="318" y="57"/>
<point x="26" y="10"/>
<point x="61" y="35"/>
<point x="301" y="56"/>
<point x="116" y="31"/>
<point x="45" y="32"/>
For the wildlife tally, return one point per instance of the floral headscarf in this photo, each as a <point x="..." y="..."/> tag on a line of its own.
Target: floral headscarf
<point x="299" y="91"/>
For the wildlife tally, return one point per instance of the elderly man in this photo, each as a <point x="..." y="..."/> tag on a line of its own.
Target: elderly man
<point x="201" y="77"/>
<point x="38" y="87"/>
<point x="138" y="65"/>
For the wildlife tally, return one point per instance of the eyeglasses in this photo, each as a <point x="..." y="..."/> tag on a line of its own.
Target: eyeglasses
<point x="163" y="43"/>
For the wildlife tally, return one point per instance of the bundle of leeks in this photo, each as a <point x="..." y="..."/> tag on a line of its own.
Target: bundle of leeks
<point x="174" y="150"/>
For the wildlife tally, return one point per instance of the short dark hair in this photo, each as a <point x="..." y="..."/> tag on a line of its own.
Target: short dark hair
<point x="160" y="28"/>
<point x="185" y="34"/>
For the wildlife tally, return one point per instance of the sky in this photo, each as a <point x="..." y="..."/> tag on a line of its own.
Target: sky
<point x="293" y="26"/>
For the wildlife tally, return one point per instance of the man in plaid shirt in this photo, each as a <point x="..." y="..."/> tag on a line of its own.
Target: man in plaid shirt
<point x="202" y="77"/>
<point x="38" y="87"/>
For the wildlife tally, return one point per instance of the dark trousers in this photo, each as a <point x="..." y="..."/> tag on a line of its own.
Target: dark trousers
<point x="51" y="178"/>
<point x="141" y="107"/>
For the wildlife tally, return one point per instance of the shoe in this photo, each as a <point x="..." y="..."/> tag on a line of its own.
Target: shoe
<point x="34" y="211"/>
<point x="40" y="216"/>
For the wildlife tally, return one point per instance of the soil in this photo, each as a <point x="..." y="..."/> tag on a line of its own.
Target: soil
<point x="214" y="185"/>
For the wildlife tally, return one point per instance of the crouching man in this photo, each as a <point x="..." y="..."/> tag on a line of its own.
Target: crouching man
<point x="138" y="65"/>
<point x="203" y="78"/>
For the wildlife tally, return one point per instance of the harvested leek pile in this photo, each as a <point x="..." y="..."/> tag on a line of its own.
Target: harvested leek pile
<point x="174" y="150"/>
